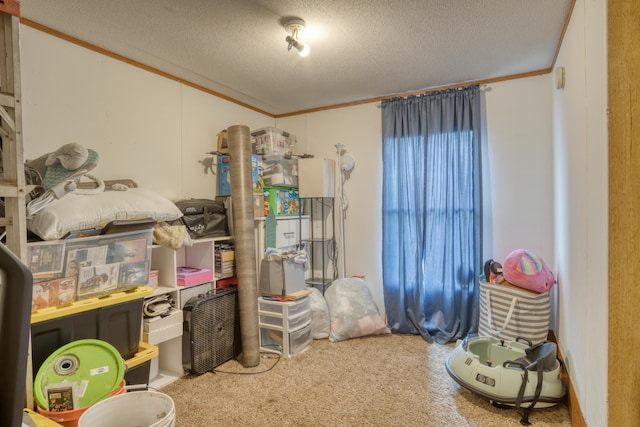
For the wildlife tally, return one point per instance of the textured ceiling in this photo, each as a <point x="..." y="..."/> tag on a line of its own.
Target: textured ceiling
<point x="360" y="49"/>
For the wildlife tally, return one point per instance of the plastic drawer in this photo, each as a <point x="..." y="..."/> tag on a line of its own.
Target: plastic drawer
<point x="165" y="334"/>
<point x="290" y="308"/>
<point x="294" y="322"/>
<point x="152" y="324"/>
<point x="300" y="340"/>
<point x="288" y="344"/>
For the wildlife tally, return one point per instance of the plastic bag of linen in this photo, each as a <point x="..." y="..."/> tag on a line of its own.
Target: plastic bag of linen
<point x="282" y="272"/>
<point x="352" y="310"/>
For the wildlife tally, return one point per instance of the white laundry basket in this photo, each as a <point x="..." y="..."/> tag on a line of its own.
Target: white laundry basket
<point x="138" y="408"/>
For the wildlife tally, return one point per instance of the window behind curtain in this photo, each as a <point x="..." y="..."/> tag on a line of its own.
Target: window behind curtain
<point x="431" y="213"/>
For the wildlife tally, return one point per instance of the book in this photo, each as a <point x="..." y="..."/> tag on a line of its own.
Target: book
<point x="45" y="259"/>
<point x="128" y="251"/>
<point x="86" y="257"/>
<point x="134" y="273"/>
<point x="98" y="279"/>
<point x="53" y="293"/>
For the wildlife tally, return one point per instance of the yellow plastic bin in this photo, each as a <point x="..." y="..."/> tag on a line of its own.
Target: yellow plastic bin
<point x="139" y="366"/>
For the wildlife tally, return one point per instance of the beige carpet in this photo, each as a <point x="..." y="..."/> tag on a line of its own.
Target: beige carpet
<point x="389" y="380"/>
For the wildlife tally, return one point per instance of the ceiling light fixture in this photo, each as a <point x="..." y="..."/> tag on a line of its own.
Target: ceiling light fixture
<point x="295" y="26"/>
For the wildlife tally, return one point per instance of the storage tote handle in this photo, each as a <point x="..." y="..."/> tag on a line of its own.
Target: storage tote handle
<point x="490" y="314"/>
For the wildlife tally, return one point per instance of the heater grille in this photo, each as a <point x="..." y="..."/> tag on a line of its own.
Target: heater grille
<point x="211" y="330"/>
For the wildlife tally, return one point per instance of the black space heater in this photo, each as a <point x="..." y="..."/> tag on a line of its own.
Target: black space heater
<point x="211" y="330"/>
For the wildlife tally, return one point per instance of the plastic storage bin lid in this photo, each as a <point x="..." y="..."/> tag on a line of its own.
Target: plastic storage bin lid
<point x="94" y="366"/>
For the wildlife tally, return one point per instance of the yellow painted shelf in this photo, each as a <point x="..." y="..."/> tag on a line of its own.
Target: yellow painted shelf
<point x="75" y="307"/>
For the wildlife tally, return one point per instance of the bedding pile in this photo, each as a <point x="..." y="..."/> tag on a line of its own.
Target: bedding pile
<point x="59" y="204"/>
<point x="76" y="212"/>
<point x="352" y="311"/>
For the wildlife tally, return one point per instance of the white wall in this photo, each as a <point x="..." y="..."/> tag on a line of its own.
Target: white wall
<point x="145" y="127"/>
<point x="581" y="188"/>
<point x="519" y="148"/>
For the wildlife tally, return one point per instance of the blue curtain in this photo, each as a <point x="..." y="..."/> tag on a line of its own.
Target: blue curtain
<point x="432" y="220"/>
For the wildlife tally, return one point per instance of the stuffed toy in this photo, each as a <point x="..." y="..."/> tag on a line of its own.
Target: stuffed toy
<point x="526" y="270"/>
<point x="60" y="173"/>
<point x="67" y="161"/>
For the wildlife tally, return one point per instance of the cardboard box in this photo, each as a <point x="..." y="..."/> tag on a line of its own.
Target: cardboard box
<point x="224" y="175"/>
<point x="316" y="177"/>
<point x="258" y="205"/>
<point x="257" y="174"/>
<point x="225" y="255"/>
<point x="283" y="201"/>
<point x="223" y="145"/>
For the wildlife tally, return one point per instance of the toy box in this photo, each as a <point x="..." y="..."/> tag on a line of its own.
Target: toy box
<point x="283" y="201"/>
<point x="257" y="174"/>
<point x="224" y="175"/>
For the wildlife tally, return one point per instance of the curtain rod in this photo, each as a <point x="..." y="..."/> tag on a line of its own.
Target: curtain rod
<point x="483" y="88"/>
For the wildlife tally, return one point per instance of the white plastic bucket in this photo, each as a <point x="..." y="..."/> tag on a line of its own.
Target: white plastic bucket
<point x="138" y="408"/>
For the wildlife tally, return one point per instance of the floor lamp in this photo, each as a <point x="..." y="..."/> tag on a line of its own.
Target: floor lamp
<point x="346" y="164"/>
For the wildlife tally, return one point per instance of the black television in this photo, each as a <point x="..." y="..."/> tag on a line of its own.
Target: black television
<point x="16" y="287"/>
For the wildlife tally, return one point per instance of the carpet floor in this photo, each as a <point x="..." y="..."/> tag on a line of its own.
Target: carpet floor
<point x="386" y="380"/>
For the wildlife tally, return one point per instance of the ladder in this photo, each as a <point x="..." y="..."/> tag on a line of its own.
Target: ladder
<point x="12" y="184"/>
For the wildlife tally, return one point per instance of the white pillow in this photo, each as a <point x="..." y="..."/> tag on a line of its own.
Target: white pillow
<point x="75" y="212"/>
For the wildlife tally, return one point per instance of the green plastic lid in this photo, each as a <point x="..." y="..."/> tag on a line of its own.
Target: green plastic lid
<point x="92" y="368"/>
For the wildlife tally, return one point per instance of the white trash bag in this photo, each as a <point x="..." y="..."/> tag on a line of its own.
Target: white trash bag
<point x="320" y="326"/>
<point x="352" y="311"/>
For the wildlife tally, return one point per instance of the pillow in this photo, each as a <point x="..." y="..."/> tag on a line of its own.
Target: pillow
<point x="75" y="212"/>
<point x="352" y="311"/>
<point x="527" y="270"/>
